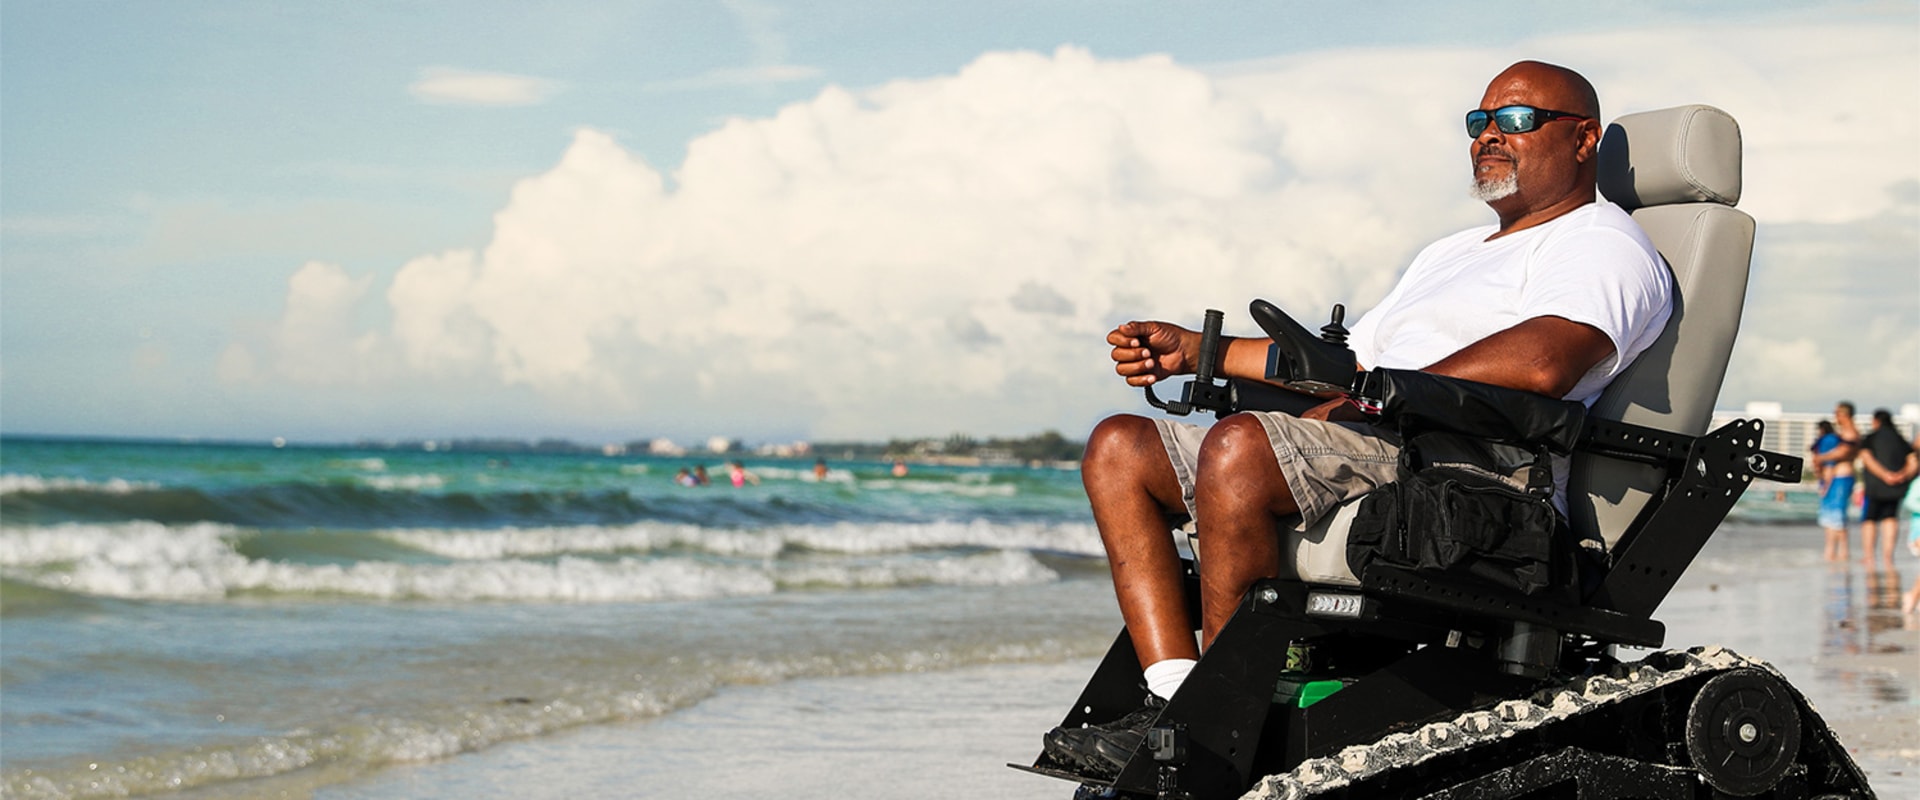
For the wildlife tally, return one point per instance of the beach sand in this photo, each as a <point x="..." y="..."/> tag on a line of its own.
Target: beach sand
<point x="928" y="735"/>
<point x="1885" y="738"/>
<point x="950" y="734"/>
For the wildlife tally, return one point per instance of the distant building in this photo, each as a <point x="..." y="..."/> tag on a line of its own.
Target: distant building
<point x="665" y="447"/>
<point x="788" y="450"/>
<point x="719" y="444"/>
<point x="1793" y="432"/>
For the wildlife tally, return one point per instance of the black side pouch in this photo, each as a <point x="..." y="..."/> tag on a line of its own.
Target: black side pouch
<point x="1467" y="519"/>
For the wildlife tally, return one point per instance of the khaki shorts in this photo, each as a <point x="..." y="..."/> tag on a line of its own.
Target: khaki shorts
<point x="1325" y="463"/>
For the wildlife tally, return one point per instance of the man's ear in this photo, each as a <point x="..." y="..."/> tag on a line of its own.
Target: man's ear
<point x="1589" y="141"/>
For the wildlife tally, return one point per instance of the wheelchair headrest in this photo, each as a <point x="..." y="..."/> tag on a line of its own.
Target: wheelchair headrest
<point x="1685" y="154"/>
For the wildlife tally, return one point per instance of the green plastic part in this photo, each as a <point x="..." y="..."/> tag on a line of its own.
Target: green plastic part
<point x="1316" y="691"/>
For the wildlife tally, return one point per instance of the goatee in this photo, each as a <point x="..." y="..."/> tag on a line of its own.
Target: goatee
<point x="1487" y="191"/>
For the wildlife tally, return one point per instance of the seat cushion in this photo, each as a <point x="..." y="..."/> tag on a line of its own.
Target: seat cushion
<point x="1319" y="553"/>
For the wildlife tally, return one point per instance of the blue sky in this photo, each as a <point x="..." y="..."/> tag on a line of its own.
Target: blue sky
<point x="779" y="221"/>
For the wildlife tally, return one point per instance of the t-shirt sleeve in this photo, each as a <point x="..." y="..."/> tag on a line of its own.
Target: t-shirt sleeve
<point x="1364" y="336"/>
<point x="1603" y="278"/>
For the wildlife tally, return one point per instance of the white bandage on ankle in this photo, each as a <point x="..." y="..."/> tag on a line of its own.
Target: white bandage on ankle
<point x="1164" y="677"/>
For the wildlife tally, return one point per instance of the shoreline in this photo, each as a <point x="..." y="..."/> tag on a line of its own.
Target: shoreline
<point x="949" y="734"/>
<point x="962" y="754"/>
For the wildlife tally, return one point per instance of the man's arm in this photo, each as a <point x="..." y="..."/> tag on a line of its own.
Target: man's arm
<point x="1146" y="353"/>
<point x="1844" y="451"/>
<point x="1885" y="473"/>
<point x="1545" y="355"/>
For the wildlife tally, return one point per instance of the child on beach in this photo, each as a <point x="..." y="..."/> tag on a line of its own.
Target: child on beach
<point x="1836" y="491"/>
<point x="1825" y="442"/>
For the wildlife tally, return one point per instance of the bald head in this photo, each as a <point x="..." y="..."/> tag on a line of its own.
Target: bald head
<point x="1551" y="85"/>
<point x="1534" y="175"/>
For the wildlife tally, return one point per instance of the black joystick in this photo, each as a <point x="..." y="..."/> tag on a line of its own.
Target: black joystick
<point x="1335" y="332"/>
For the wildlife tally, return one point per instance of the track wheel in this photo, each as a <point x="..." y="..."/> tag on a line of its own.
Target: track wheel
<point x="1743" y="732"/>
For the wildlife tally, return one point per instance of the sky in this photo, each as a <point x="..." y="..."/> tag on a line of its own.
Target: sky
<point x="863" y="219"/>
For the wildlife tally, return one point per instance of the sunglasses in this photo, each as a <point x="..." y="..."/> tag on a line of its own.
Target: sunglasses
<point x="1514" y="119"/>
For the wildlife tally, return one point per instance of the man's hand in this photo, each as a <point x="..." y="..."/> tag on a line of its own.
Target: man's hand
<point x="1146" y="352"/>
<point x="1335" y="410"/>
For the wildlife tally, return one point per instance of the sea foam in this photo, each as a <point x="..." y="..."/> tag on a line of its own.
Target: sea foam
<point x="34" y="484"/>
<point x="856" y="538"/>
<point x="206" y="561"/>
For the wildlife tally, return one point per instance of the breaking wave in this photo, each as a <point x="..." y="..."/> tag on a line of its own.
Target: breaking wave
<point x="641" y="563"/>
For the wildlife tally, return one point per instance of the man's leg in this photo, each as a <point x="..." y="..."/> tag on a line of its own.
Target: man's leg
<point x="1131" y="481"/>
<point x="1833" y="517"/>
<point x="1132" y="487"/>
<point x="1239" y="493"/>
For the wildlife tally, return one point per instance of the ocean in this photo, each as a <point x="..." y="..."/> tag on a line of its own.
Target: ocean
<point x="250" y="621"/>
<point x="181" y="616"/>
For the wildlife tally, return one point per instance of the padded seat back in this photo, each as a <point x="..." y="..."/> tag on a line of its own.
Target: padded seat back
<point x="1677" y="171"/>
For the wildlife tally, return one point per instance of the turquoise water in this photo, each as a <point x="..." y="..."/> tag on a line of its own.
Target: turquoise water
<point x="195" y="616"/>
<point x="221" y="618"/>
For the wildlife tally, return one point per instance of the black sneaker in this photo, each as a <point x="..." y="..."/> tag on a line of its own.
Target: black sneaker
<point x="1102" y="750"/>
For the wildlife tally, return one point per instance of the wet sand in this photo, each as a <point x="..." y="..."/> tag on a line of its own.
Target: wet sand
<point x="949" y="734"/>
<point x="1885" y="738"/>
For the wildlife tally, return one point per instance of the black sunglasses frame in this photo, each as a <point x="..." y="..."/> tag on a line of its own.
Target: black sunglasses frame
<point x="1541" y="116"/>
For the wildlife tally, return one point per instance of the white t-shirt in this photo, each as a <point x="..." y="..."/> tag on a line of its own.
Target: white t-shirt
<point x="1592" y="265"/>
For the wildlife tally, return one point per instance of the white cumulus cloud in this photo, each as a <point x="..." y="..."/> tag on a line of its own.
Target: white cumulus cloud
<point x="946" y="254"/>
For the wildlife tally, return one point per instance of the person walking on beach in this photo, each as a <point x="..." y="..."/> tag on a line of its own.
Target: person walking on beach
<point x="1596" y="295"/>
<point x="1890" y="464"/>
<point x="1837" y="462"/>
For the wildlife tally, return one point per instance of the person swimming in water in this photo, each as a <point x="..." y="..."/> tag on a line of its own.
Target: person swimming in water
<point x="738" y="473"/>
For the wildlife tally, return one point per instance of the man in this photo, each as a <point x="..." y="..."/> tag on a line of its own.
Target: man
<point x="1557" y="298"/>
<point x="1838" y="463"/>
<point x="1890" y="464"/>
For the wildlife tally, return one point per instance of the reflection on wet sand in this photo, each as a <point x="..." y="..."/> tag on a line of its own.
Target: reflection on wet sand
<point x="1859" y="623"/>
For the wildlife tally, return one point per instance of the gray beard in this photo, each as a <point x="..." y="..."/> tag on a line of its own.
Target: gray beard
<point x="1487" y="191"/>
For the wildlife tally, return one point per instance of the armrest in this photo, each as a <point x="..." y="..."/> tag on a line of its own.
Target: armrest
<point x="1471" y="408"/>
<point x="1246" y="395"/>
<point x="1323" y="363"/>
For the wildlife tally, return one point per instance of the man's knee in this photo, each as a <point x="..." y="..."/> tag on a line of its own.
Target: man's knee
<point x="1237" y="448"/>
<point x="1121" y="443"/>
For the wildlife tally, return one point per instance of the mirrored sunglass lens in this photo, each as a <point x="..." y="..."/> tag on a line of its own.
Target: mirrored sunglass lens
<point x="1477" y="122"/>
<point x="1514" y="119"/>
